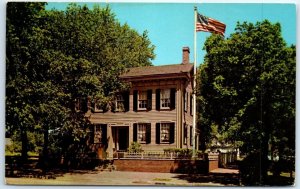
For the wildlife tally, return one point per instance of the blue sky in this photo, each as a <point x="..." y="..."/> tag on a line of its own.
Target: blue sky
<point x="170" y="26"/>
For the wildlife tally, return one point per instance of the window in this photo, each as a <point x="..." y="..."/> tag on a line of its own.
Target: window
<point x="98" y="134"/>
<point x="98" y="106"/>
<point x="165" y="133"/>
<point x="185" y="134"/>
<point x="165" y="98"/>
<point x="120" y="103"/>
<point x="142" y="133"/>
<point x="191" y="104"/>
<point x="185" y="101"/>
<point x="142" y="100"/>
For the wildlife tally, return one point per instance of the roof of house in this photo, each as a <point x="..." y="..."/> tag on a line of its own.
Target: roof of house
<point x="158" y="70"/>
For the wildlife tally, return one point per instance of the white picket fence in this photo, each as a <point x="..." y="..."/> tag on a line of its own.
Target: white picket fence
<point x="155" y="155"/>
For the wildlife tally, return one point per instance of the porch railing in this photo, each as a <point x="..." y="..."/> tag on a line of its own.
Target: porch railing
<point x="155" y="155"/>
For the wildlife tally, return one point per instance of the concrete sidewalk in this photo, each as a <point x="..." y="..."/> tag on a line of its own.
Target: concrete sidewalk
<point x="116" y="178"/>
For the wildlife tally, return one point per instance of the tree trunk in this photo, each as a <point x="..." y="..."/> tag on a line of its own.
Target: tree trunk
<point x="45" y="159"/>
<point x="24" y="140"/>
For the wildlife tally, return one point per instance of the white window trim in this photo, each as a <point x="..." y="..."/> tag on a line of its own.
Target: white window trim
<point x="96" y="109"/>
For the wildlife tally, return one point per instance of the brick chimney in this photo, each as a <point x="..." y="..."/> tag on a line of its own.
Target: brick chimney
<point x="185" y="55"/>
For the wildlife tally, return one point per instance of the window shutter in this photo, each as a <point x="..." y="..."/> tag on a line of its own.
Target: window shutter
<point x="148" y="133"/>
<point x="185" y="100"/>
<point x="157" y="133"/>
<point x="93" y="107"/>
<point x="172" y="132"/>
<point x="104" y="134"/>
<point x="191" y="105"/>
<point x="191" y="136"/>
<point x="84" y="105"/>
<point x="149" y="99"/>
<point x="126" y="101"/>
<point x="157" y="99"/>
<point x="134" y="132"/>
<point x="135" y="100"/>
<point x="172" y="98"/>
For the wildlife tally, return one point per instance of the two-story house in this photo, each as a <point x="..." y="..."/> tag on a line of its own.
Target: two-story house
<point x="156" y="111"/>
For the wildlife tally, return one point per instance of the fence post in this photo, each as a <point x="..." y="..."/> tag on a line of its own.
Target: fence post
<point x="213" y="161"/>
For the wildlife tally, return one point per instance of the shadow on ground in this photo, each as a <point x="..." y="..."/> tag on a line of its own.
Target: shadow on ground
<point x="225" y="179"/>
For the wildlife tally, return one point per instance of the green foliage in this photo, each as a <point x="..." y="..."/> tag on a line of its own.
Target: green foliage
<point x="181" y="152"/>
<point x="135" y="147"/>
<point x="55" y="57"/>
<point x="246" y="90"/>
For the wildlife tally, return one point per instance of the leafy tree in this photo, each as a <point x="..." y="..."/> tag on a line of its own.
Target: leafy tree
<point x="21" y="19"/>
<point x="247" y="92"/>
<point x="70" y="55"/>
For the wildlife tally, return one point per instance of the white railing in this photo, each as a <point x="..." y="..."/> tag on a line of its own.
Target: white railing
<point x="155" y="155"/>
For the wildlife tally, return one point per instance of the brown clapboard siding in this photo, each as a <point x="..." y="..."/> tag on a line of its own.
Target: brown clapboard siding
<point x="133" y="117"/>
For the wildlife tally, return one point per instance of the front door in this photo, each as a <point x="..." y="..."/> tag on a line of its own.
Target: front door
<point x="121" y="138"/>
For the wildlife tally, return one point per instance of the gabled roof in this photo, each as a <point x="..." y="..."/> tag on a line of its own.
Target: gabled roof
<point x="158" y="70"/>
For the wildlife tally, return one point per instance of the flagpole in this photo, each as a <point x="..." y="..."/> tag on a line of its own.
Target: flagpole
<point x="194" y="84"/>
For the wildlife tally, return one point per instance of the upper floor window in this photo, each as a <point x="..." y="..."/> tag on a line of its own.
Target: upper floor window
<point x="165" y="99"/>
<point x="191" y="104"/>
<point x="121" y="103"/>
<point x="142" y="133"/>
<point x="98" y="106"/>
<point x="185" y="101"/>
<point x="142" y="100"/>
<point x="120" y="106"/>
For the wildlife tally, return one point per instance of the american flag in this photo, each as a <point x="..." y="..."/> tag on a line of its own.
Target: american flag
<point x="209" y="25"/>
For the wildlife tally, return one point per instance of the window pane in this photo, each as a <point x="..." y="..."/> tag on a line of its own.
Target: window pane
<point x="165" y="132"/>
<point x="98" y="134"/>
<point x="120" y="103"/>
<point x="165" y="98"/>
<point x="142" y="99"/>
<point x="142" y="133"/>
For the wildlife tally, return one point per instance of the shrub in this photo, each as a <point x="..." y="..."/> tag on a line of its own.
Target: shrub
<point x="135" y="147"/>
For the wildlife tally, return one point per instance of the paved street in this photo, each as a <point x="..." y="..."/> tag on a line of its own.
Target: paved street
<point x="116" y="178"/>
